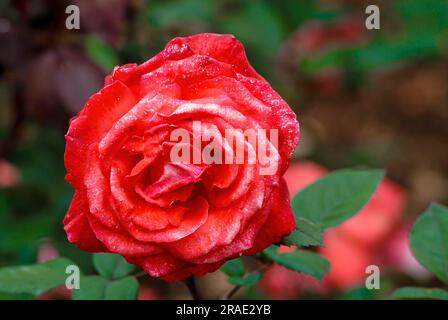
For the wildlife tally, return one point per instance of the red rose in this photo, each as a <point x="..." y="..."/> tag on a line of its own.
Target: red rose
<point x="176" y="219"/>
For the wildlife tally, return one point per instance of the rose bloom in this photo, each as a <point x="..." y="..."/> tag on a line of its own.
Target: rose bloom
<point x="177" y="219"/>
<point x="350" y="247"/>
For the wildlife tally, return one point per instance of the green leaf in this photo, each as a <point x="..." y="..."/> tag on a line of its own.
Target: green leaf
<point x="99" y="288"/>
<point x="429" y="240"/>
<point x="31" y="229"/>
<point x="420" y="293"/>
<point x="15" y="296"/>
<point x="233" y="268"/>
<point x="123" y="289"/>
<point x="111" y="266"/>
<point x="90" y="288"/>
<point x="247" y="281"/>
<point x="337" y="197"/>
<point x="358" y="294"/>
<point x="101" y="53"/>
<point x="34" y="279"/>
<point x="305" y="234"/>
<point x="257" y="24"/>
<point x="382" y="52"/>
<point x="428" y="15"/>
<point x="301" y="261"/>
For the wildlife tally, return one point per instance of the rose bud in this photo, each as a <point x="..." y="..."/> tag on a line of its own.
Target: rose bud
<point x="177" y="218"/>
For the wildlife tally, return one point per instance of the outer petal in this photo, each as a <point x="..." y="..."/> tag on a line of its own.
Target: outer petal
<point x="120" y="242"/>
<point x="99" y="115"/>
<point x="280" y="222"/>
<point x="283" y="118"/>
<point x="222" y="47"/>
<point x="170" y="268"/>
<point x="195" y="269"/>
<point x="78" y="228"/>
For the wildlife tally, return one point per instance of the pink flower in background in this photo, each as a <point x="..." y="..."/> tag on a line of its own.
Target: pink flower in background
<point x="399" y="255"/>
<point x="9" y="175"/>
<point x="379" y="217"/>
<point x="348" y="261"/>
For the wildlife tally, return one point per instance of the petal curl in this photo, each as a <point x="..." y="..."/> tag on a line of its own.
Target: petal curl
<point x="77" y="226"/>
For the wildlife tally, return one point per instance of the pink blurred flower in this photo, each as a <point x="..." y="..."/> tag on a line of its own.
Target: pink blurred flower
<point x="299" y="176"/>
<point x="399" y="255"/>
<point x="9" y="175"/>
<point x="379" y="217"/>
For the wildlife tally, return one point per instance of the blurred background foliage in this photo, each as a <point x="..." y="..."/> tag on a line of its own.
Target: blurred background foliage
<point x="376" y="98"/>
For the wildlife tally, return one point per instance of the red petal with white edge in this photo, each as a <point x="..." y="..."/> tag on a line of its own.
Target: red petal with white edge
<point x="280" y="223"/>
<point x="100" y="113"/>
<point x="192" y="220"/>
<point x="284" y="119"/>
<point x="183" y="72"/>
<point x="175" y="175"/>
<point x="78" y="228"/>
<point x="220" y="228"/>
<point x="120" y="242"/>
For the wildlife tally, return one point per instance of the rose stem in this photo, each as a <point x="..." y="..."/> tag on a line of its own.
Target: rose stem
<point x="191" y="285"/>
<point x="231" y="292"/>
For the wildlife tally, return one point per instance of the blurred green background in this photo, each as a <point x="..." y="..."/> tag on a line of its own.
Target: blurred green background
<point x="363" y="97"/>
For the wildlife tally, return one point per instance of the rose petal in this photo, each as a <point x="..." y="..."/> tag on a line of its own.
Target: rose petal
<point x="77" y="226"/>
<point x="99" y="115"/>
<point x="192" y="220"/>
